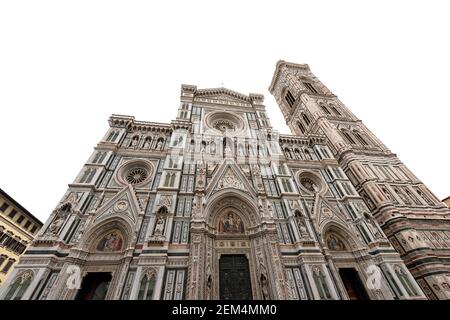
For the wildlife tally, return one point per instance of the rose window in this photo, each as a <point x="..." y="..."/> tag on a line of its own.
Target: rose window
<point x="309" y="184"/>
<point x="224" y="125"/>
<point x="136" y="175"/>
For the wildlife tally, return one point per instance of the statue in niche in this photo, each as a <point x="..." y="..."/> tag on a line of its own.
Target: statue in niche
<point x="301" y="225"/>
<point x="335" y="244"/>
<point x="59" y="219"/>
<point x="264" y="282"/>
<point x="111" y="242"/>
<point x="159" y="226"/>
<point x="231" y="223"/>
<point x="208" y="282"/>
<point x="159" y="145"/>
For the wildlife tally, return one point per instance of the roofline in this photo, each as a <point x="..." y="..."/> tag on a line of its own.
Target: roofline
<point x="279" y="65"/>
<point x="19" y="206"/>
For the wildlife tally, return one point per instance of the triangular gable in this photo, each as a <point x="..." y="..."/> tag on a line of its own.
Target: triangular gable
<point x="229" y="175"/>
<point x="124" y="204"/>
<point x="223" y="94"/>
<point x="324" y="212"/>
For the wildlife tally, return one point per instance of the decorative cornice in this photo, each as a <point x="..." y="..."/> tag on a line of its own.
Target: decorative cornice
<point x="130" y="123"/>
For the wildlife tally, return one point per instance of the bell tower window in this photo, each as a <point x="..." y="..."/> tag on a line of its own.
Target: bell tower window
<point x="289" y="98"/>
<point x="310" y="87"/>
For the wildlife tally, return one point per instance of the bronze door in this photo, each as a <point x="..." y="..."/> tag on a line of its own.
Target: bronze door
<point x="234" y="278"/>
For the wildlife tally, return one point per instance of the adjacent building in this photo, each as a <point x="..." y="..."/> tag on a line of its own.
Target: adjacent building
<point x="217" y="204"/>
<point x="17" y="230"/>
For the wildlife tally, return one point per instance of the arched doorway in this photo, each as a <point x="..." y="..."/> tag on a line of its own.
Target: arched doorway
<point x="102" y="255"/>
<point x="341" y="246"/>
<point x="233" y="254"/>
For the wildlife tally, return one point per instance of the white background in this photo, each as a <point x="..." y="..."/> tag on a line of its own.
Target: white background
<point x="66" y="66"/>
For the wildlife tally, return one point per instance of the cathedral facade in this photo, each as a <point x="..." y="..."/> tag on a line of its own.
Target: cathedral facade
<point x="219" y="205"/>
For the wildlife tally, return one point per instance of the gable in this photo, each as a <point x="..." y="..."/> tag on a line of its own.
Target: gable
<point x="124" y="205"/>
<point x="229" y="176"/>
<point x="222" y="95"/>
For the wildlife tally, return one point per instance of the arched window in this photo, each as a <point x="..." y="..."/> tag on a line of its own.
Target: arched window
<point x="172" y="179"/>
<point x="306" y="119"/>
<point x="301" y="127"/>
<point x="147" y="286"/>
<point x="325" y="109"/>
<point x="360" y="138"/>
<point x="111" y="136"/>
<point x="19" y="286"/>
<point x="348" y="137"/>
<point x="297" y="153"/>
<point x="335" y="110"/>
<point x="116" y="134"/>
<point x="289" y="98"/>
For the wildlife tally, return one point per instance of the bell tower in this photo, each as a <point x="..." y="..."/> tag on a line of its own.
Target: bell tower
<point x="412" y="217"/>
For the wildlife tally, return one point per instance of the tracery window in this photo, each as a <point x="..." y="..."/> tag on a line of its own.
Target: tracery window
<point x="147" y="286"/>
<point x="289" y="98"/>
<point x="19" y="286"/>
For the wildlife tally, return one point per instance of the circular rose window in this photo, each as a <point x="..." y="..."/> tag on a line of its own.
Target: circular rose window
<point x="135" y="172"/>
<point x="225" y="122"/>
<point x="311" y="182"/>
<point x="136" y="175"/>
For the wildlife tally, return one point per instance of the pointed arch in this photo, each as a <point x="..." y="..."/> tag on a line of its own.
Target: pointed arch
<point x="96" y="233"/>
<point x="241" y="201"/>
<point x="20" y="285"/>
<point x="147" y="285"/>
<point x="341" y="234"/>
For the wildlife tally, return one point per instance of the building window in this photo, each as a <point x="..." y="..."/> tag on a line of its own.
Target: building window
<point x="306" y="119"/>
<point x="335" y="110"/>
<point x="33" y="230"/>
<point x="170" y="180"/>
<point x="12" y="214"/>
<point x="325" y="109"/>
<point x="360" y="138"/>
<point x="348" y="137"/>
<point x="287" y="187"/>
<point x="196" y="111"/>
<point x="310" y="87"/>
<point x="19" y="287"/>
<point x="20" y="219"/>
<point x="301" y="127"/>
<point x="147" y="286"/>
<point x="4" y="207"/>
<point x="8" y="265"/>
<point x="87" y="175"/>
<point x="113" y="136"/>
<point x="289" y="98"/>
<point x="27" y="225"/>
